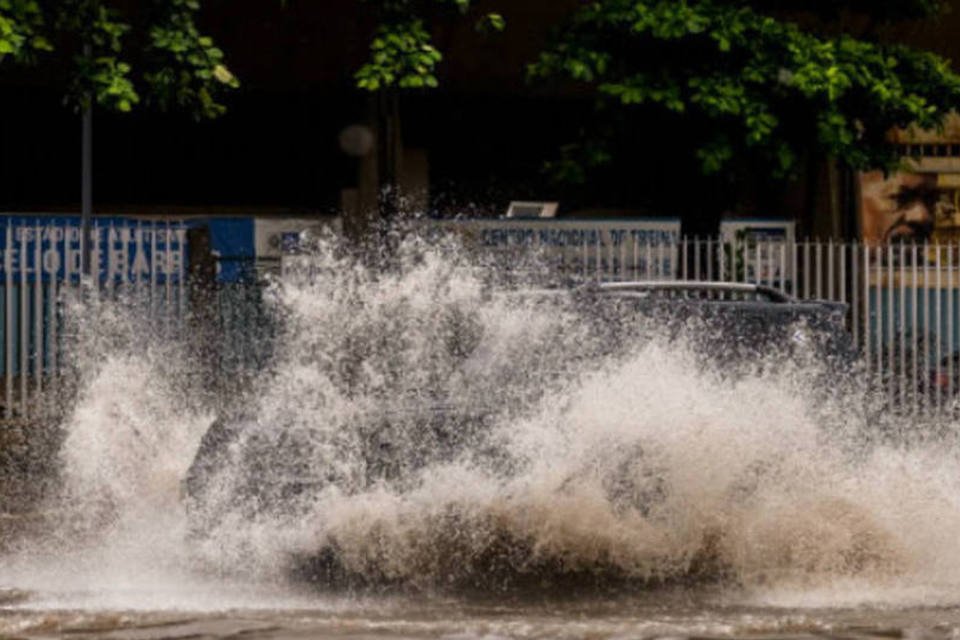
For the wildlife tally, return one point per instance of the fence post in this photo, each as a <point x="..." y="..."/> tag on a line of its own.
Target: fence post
<point x="8" y="322"/>
<point x="38" y="338"/>
<point x="950" y="324"/>
<point x="938" y="340"/>
<point x="903" y="327"/>
<point x="23" y="327"/>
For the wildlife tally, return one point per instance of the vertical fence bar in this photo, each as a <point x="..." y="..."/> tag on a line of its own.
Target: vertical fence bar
<point x="38" y="342"/>
<point x="696" y="257"/>
<point x="855" y="292"/>
<point x="109" y="254"/>
<point x="621" y="255"/>
<point x="709" y="243"/>
<point x="950" y="325"/>
<point x="878" y="299"/>
<point x="926" y="315"/>
<point x="757" y="263"/>
<point x="684" y="258"/>
<point x="806" y="269"/>
<point x="866" y="310"/>
<point x="168" y="271"/>
<point x="153" y="267"/>
<point x="584" y="254"/>
<point x="794" y="271"/>
<point x="24" y="326"/>
<point x="648" y="251"/>
<point x="597" y="250"/>
<point x="783" y="267"/>
<point x="706" y="268"/>
<point x="819" y="270"/>
<point x="915" y="324"/>
<point x="720" y="252"/>
<point x="611" y="262"/>
<point x="902" y="332"/>
<point x="938" y="326"/>
<point x="117" y="254"/>
<point x="772" y="254"/>
<point x="53" y="315"/>
<point x="891" y="335"/>
<point x="8" y="322"/>
<point x="661" y="260"/>
<point x="67" y="253"/>
<point x="617" y="246"/>
<point x="843" y="272"/>
<point x="830" y="269"/>
<point x="730" y="259"/>
<point x="738" y="260"/>
<point x="764" y="270"/>
<point x="181" y="275"/>
<point x="768" y="267"/>
<point x="136" y="259"/>
<point x="96" y="260"/>
<point x="68" y="265"/>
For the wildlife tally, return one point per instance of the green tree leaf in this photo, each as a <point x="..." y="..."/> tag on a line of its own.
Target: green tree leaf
<point x="775" y="89"/>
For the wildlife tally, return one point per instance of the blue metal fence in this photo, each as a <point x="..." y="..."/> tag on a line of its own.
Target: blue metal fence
<point x="40" y="267"/>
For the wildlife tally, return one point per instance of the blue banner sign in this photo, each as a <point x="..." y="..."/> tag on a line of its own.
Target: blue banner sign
<point x="232" y="243"/>
<point x="121" y="249"/>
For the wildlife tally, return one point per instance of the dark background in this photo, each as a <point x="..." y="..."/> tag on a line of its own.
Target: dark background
<point x="487" y="130"/>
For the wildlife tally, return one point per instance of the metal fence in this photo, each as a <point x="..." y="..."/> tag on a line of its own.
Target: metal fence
<point x="40" y="270"/>
<point x="903" y="299"/>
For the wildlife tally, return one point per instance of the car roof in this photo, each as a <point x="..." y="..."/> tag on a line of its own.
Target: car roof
<point x="712" y="290"/>
<point x="740" y="295"/>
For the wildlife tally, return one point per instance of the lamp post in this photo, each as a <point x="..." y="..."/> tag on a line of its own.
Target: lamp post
<point x="86" y="177"/>
<point x="86" y="187"/>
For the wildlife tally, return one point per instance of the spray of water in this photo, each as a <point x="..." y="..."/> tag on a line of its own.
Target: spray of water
<point x="423" y="425"/>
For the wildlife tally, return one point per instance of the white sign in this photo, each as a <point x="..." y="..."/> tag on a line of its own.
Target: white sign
<point x="757" y="249"/>
<point x="638" y="248"/>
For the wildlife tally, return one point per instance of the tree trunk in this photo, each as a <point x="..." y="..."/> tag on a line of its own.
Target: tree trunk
<point x="389" y="153"/>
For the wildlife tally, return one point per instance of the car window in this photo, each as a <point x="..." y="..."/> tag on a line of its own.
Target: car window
<point x="696" y="294"/>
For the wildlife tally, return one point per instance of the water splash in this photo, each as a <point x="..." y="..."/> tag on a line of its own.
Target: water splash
<point x="428" y="426"/>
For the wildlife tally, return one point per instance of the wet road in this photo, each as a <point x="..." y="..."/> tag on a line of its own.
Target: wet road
<point x="672" y="615"/>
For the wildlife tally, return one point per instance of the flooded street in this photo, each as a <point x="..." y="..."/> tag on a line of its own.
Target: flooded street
<point x="419" y="459"/>
<point x="479" y="320"/>
<point x="270" y="615"/>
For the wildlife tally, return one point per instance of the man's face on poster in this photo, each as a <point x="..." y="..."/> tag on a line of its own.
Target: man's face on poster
<point x="900" y="207"/>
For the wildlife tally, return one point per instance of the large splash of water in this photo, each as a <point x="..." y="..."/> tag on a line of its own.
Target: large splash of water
<point x="425" y="425"/>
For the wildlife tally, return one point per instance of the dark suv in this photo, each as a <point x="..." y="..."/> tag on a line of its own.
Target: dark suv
<point x="728" y="323"/>
<point x="274" y="466"/>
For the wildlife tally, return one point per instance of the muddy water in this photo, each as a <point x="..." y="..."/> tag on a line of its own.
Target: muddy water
<point x="776" y="502"/>
<point x="271" y="615"/>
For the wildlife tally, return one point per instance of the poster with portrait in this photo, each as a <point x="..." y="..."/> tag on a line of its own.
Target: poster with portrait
<point x="898" y="207"/>
<point x="911" y="208"/>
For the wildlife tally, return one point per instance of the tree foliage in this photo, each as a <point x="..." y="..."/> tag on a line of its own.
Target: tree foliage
<point x="765" y="86"/>
<point x="178" y="66"/>
<point x="402" y="53"/>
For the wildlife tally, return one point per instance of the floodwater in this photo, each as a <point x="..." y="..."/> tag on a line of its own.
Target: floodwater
<point x="673" y="615"/>
<point x="423" y="457"/>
